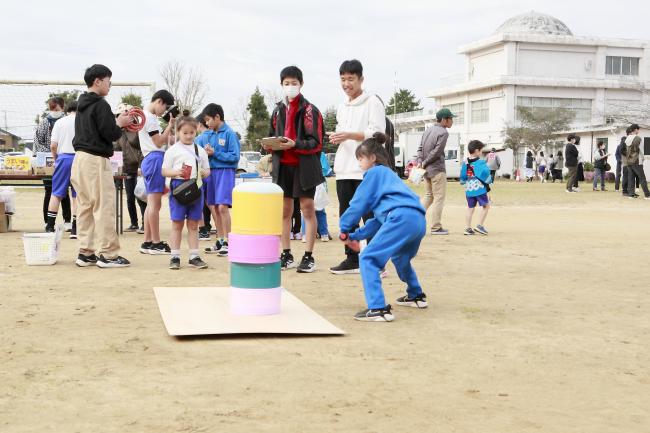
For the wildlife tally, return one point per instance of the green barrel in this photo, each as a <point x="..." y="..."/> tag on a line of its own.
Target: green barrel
<point x="249" y="276"/>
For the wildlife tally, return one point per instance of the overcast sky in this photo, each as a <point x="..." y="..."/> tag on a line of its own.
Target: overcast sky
<point x="242" y="44"/>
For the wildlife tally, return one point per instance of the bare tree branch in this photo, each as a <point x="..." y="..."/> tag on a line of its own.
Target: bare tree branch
<point x="188" y="85"/>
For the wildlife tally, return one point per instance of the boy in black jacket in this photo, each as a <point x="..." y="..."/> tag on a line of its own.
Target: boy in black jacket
<point x="296" y="168"/>
<point x="96" y="128"/>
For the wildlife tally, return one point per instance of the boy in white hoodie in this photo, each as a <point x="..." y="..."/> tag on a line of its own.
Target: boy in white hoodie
<point x="358" y="118"/>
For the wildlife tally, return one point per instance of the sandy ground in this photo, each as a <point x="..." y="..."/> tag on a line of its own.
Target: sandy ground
<point x="543" y="326"/>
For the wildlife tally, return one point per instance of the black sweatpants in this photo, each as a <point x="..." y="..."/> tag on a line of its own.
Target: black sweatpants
<point x="345" y="190"/>
<point x="635" y="174"/>
<point x="129" y="185"/>
<point x="66" y="208"/>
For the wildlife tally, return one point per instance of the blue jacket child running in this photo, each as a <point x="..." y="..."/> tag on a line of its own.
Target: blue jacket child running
<point x="475" y="175"/>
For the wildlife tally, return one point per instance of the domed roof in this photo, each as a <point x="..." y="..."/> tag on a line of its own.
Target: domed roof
<point x="533" y="22"/>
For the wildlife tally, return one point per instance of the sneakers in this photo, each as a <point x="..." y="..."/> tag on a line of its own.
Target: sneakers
<point x="67" y="227"/>
<point x="325" y="238"/>
<point x="175" y="263"/>
<point x="117" y="262"/>
<point x="480" y="229"/>
<point x="140" y="231"/>
<point x="214" y="249"/>
<point x="223" y="251"/>
<point x="161" y="248"/>
<point x="303" y="239"/>
<point x="73" y="232"/>
<point x="84" y="261"/>
<point x="49" y="229"/>
<point x="131" y="228"/>
<point x="375" y="315"/>
<point x="145" y="247"/>
<point x="286" y="261"/>
<point x="419" y="301"/>
<point x="197" y="263"/>
<point x="571" y="191"/>
<point x="307" y="265"/>
<point x="345" y="267"/>
<point x="440" y="232"/>
<point x="204" y="235"/>
<point x="469" y="232"/>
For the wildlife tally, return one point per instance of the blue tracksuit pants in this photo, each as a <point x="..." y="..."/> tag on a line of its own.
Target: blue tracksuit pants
<point x="398" y="239"/>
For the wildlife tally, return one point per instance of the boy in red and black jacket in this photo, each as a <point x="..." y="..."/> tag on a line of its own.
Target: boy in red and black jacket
<point x="296" y="167"/>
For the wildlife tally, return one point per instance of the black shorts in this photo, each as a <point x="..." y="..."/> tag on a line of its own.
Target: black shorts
<point x="289" y="181"/>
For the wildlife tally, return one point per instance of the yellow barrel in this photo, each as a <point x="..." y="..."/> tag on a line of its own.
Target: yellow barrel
<point x="257" y="209"/>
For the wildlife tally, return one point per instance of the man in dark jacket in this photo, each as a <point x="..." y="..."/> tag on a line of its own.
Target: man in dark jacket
<point x="296" y="166"/>
<point x="571" y="162"/>
<point x="620" y="169"/>
<point x="96" y="128"/>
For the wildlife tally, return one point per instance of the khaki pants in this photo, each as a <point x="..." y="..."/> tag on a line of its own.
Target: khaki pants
<point x="571" y="177"/>
<point x="436" y="188"/>
<point x="92" y="178"/>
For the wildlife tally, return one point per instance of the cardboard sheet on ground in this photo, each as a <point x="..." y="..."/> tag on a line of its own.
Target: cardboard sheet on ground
<point x="206" y="311"/>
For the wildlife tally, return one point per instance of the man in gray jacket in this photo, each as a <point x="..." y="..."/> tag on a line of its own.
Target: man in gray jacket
<point x="431" y="157"/>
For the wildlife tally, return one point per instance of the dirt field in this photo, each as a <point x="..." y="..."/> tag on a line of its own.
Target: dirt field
<point x="543" y="326"/>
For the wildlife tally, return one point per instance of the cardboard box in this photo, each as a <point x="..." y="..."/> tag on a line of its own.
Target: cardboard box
<point x="43" y="171"/>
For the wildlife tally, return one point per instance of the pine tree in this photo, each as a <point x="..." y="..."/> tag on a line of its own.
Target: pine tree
<point x="329" y="123"/>
<point x="405" y="102"/>
<point x="258" y="124"/>
<point x="132" y="99"/>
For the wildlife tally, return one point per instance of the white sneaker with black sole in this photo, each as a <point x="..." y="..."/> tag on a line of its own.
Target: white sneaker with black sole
<point x="223" y="251"/>
<point x="117" y="262"/>
<point x="419" y="301"/>
<point x="214" y="249"/>
<point x="84" y="261"/>
<point x="375" y="315"/>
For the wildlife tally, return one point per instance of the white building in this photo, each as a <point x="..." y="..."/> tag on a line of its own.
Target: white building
<point x="534" y="60"/>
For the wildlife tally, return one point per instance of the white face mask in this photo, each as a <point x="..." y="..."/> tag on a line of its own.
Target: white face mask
<point x="55" y="114"/>
<point x="291" y="91"/>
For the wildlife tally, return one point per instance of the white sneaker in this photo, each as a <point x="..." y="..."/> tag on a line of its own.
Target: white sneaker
<point x="67" y="227"/>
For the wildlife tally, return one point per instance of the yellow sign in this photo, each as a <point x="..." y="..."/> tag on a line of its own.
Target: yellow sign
<point x="18" y="162"/>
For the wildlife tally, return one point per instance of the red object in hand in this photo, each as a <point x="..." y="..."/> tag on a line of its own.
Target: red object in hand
<point x="138" y="120"/>
<point x="353" y="245"/>
<point x="344" y="237"/>
<point x="186" y="171"/>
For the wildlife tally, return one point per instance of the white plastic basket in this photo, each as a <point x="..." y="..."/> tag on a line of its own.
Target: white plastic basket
<point x="42" y="248"/>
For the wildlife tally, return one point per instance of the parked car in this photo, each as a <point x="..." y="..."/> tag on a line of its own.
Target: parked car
<point x="452" y="165"/>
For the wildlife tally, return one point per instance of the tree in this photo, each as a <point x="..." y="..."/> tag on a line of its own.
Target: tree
<point x="329" y="124"/>
<point x="405" y="102"/>
<point x="132" y="99"/>
<point x="188" y="85"/>
<point x="258" y="123"/>
<point x="68" y="96"/>
<point x="535" y="129"/>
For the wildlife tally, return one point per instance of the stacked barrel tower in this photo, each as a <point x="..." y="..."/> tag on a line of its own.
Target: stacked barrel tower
<point x="254" y="249"/>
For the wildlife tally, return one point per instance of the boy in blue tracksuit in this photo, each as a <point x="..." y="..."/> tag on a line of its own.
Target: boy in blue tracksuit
<point x="223" y="151"/>
<point x="397" y="228"/>
<point x="475" y="176"/>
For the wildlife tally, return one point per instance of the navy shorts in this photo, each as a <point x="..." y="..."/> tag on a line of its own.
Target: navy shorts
<point x="182" y="212"/>
<point x="152" y="171"/>
<point x="482" y="200"/>
<point x="61" y="176"/>
<point x="219" y="186"/>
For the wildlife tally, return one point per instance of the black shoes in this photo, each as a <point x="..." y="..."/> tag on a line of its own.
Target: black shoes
<point x="307" y="264"/>
<point x="117" y="262"/>
<point x="196" y="262"/>
<point x="85" y="261"/>
<point x="375" y="315"/>
<point x="175" y="263"/>
<point x="419" y="301"/>
<point x="347" y="266"/>
<point x="286" y="261"/>
<point x="161" y="248"/>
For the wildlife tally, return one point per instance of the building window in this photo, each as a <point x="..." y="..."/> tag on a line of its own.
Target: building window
<point x="581" y="107"/>
<point x="622" y="65"/>
<point x="481" y="111"/>
<point x="459" y="111"/>
<point x="646" y="145"/>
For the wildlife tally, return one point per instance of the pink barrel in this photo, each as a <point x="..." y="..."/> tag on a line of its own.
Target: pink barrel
<point x="255" y="302"/>
<point x="253" y="249"/>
